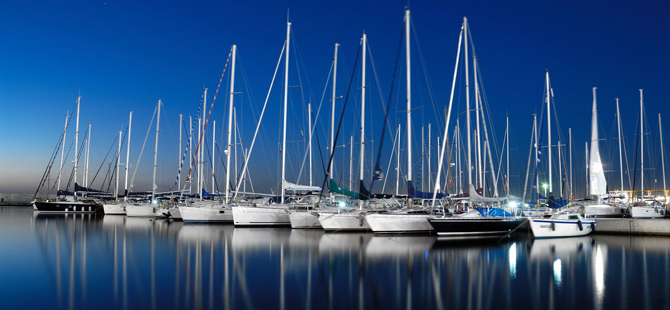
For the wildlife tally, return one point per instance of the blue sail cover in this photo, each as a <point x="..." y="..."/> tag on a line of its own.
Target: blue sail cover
<point x="555" y="203"/>
<point x="493" y="212"/>
<point x="421" y="195"/>
<point x="206" y="194"/>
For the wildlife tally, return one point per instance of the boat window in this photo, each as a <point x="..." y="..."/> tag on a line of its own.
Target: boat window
<point x="573" y="217"/>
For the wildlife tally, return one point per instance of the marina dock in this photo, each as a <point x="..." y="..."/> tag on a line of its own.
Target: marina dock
<point x="632" y="226"/>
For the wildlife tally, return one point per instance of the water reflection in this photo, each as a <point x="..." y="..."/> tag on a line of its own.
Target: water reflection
<point x="89" y="261"/>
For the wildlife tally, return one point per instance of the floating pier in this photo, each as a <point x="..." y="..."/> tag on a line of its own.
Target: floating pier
<point x="630" y="226"/>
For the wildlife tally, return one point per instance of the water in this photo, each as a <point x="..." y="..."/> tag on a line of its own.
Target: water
<point x="96" y="262"/>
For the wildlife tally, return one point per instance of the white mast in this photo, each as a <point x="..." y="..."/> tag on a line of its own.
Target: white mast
<point x="397" y="169"/>
<point x="570" y="151"/>
<point x="423" y="155"/>
<point x="88" y="152"/>
<point x="507" y="148"/>
<point x="618" y="120"/>
<point x="332" y="113"/>
<point x="586" y="151"/>
<point x="76" y="146"/>
<point x="181" y="118"/>
<point x="213" y="154"/>
<point x="641" y="145"/>
<point x="549" y="131"/>
<point x="283" y="148"/>
<point x="660" y="130"/>
<point x="230" y="124"/>
<point x="351" y="162"/>
<point x="190" y="153"/>
<point x="309" y="111"/>
<point x="362" y="148"/>
<point x="467" y="105"/>
<point x="478" y="140"/>
<point x="130" y="125"/>
<point x="118" y="167"/>
<point x="198" y="160"/>
<point x="560" y="170"/>
<point x="409" y="106"/>
<point x="62" y="153"/>
<point x="459" y="182"/>
<point x="430" y="174"/>
<point x="537" y="157"/>
<point x="158" y="122"/>
<point x="201" y="176"/>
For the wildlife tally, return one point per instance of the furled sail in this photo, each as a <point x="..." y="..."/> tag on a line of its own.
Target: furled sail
<point x="288" y="186"/>
<point x="335" y="188"/>
<point x="476" y="197"/>
<point x="597" y="183"/>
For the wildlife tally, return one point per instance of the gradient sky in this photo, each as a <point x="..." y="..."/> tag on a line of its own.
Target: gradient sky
<point x="125" y="55"/>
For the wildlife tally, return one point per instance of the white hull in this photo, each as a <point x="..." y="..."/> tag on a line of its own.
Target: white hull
<point x="646" y="212"/>
<point x="304" y="220"/>
<point x="600" y="211"/>
<point x="551" y="228"/>
<point x="270" y="215"/>
<point x="352" y="221"/>
<point x="399" y="223"/>
<point x="144" y="210"/>
<point x="218" y="214"/>
<point x="174" y="213"/>
<point x="114" y="209"/>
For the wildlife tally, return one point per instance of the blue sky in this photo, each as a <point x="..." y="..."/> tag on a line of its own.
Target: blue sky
<point x="125" y="55"/>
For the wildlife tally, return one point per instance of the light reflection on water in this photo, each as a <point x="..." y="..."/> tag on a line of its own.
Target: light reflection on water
<point x="89" y="261"/>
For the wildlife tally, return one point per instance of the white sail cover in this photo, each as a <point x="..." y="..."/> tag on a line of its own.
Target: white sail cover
<point x="475" y="197"/>
<point x="288" y="186"/>
<point x="597" y="184"/>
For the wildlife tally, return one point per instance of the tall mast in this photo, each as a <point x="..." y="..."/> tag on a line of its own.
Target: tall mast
<point x="201" y="177"/>
<point x="430" y="174"/>
<point x="459" y="182"/>
<point x="283" y="148"/>
<point x="199" y="161"/>
<point x="362" y="148"/>
<point x="190" y="153"/>
<point x="572" y="195"/>
<point x="560" y="170"/>
<point x="423" y="155"/>
<point x="641" y="145"/>
<point x="88" y="152"/>
<point x="660" y="130"/>
<point x="618" y="120"/>
<point x="549" y="131"/>
<point x="130" y="126"/>
<point x="181" y="119"/>
<point x="214" y="154"/>
<point x="309" y="112"/>
<point x="351" y="162"/>
<point x="478" y="140"/>
<point x="332" y="112"/>
<point x="118" y="167"/>
<point x="537" y="157"/>
<point x="62" y="153"/>
<point x="507" y="148"/>
<point x="586" y="151"/>
<point x="409" y="106"/>
<point x="158" y="123"/>
<point x="76" y="145"/>
<point x="467" y="105"/>
<point x="230" y="124"/>
<point x="397" y="168"/>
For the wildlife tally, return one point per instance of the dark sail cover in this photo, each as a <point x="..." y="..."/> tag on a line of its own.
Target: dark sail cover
<point x="421" y="195"/>
<point x="334" y="188"/>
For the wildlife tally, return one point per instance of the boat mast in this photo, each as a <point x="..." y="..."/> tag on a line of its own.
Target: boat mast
<point x="423" y="156"/>
<point x="459" y="182"/>
<point x="76" y="147"/>
<point x="130" y="126"/>
<point x="88" y="152"/>
<point x="641" y="145"/>
<point x="309" y="111"/>
<point x="181" y="119"/>
<point x="660" y="130"/>
<point x="430" y="174"/>
<point x="478" y="140"/>
<point x="118" y="167"/>
<point x="507" y="155"/>
<point x="618" y="120"/>
<point x="586" y="153"/>
<point x="190" y="154"/>
<point x="198" y="161"/>
<point x="213" y="154"/>
<point x="283" y="148"/>
<point x="467" y="106"/>
<point x="351" y="161"/>
<point x="362" y="148"/>
<point x="409" y="109"/>
<point x="201" y="175"/>
<point x="332" y="114"/>
<point x="549" y="131"/>
<point x="397" y="169"/>
<point x="158" y="122"/>
<point x="230" y="124"/>
<point x="62" y="153"/>
<point x="572" y="196"/>
<point x="537" y="157"/>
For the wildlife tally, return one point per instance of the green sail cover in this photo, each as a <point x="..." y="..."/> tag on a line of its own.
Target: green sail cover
<point x="334" y="188"/>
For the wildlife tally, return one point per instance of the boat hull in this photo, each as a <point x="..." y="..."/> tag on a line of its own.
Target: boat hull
<point x="114" y="209"/>
<point x="141" y="210"/>
<point x="646" y="212"/>
<point x="261" y="216"/>
<point x="304" y="220"/>
<point x="65" y="207"/>
<point x="548" y="228"/>
<point x="353" y="221"/>
<point x="474" y="226"/>
<point x="399" y="223"/>
<point x="206" y="214"/>
<point x="604" y="211"/>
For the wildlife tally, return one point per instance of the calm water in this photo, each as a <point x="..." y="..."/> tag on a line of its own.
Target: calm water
<point x="96" y="262"/>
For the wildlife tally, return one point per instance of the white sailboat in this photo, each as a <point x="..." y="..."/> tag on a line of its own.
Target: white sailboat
<point x="597" y="181"/>
<point x="119" y="207"/>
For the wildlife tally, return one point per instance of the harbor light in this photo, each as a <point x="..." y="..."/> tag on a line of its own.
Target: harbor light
<point x="545" y="186"/>
<point x="513" y="204"/>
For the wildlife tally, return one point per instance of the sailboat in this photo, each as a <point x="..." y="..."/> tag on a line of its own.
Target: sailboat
<point x="117" y="207"/>
<point x="251" y="214"/>
<point x="597" y="181"/>
<point x="148" y="209"/>
<point x="70" y="204"/>
<point x="644" y="208"/>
